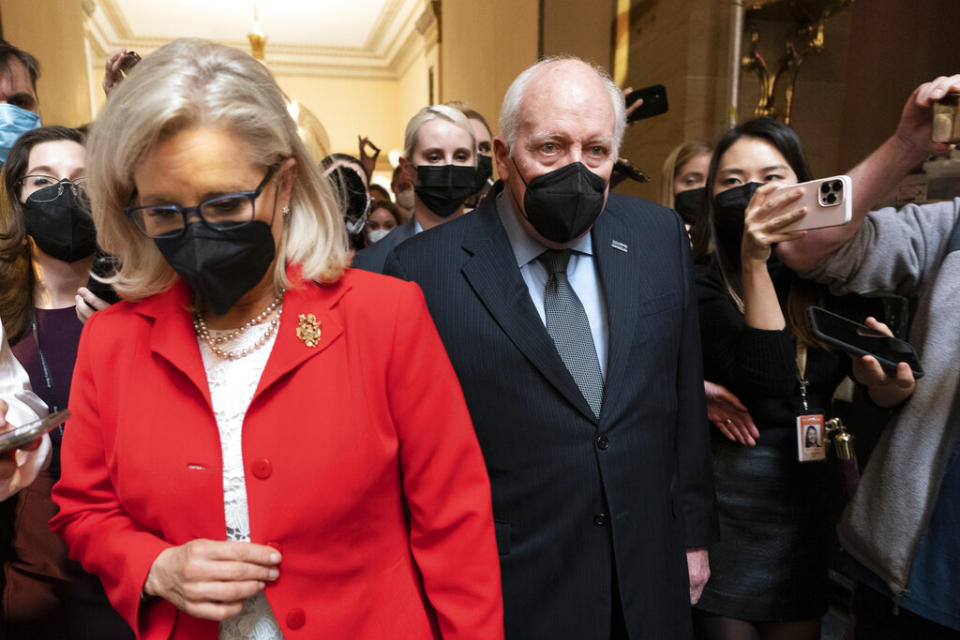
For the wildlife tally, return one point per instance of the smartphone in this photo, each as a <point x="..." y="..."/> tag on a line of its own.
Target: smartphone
<point x="26" y="433"/>
<point x="829" y="203"/>
<point x="103" y="266"/>
<point x="654" y="102"/>
<point x="860" y="340"/>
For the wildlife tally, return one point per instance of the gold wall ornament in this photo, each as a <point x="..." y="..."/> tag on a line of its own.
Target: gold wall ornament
<point x="804" y="37"/>
<point x="308" y="330"/>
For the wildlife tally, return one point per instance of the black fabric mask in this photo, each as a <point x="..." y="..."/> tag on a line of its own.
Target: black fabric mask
<point x="689" y="204"/>
<point x="62" y="227"/>
<point x="729" y="209"/>
<point x="443" y="188"/>
<point x="484" y="172"/>
<point x="220" y="266"/>
<point x="352" y="194"/>
<point x="563" y="204"/>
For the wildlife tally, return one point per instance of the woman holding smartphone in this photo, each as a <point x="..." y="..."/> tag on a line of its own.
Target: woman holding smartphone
<point x="769" y="572"/>
<point x="47" y="247"/>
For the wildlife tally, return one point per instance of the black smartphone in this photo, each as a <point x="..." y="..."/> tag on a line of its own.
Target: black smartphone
<point x="860" y="340"/>
<point x="654" y="102"/>
<point x="26" y="433"/>
<point x="104" y="266"/>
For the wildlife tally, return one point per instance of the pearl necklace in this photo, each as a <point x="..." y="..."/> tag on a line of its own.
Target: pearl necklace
<point x="214" y="342"/>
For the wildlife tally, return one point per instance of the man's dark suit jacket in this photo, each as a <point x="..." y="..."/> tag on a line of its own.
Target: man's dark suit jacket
<point x="577" y="502"/>
<point x="373" y="257"/>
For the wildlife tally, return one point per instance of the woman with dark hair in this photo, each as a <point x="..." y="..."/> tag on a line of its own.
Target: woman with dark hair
<point x="384" y="217"/>
<point x="768" y="573"/>
<point x="47" y="246"/>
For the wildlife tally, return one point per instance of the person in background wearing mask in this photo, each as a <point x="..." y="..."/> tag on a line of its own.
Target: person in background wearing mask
<point x="571" y="319"/>
<point x="348" y="178"/>
<point x="484" y="154"/>
<point x="403" y="194"/>
<point x="683" y="179"/>
<point x="440" y="155"/>
<point x="19" y="107"/>
<point x="47" y="247"/>
<point x="384" y="217"/>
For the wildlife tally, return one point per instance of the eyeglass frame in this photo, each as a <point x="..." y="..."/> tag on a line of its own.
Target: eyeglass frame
<point x="185" y="212"/>
<point x="77" y="187"/>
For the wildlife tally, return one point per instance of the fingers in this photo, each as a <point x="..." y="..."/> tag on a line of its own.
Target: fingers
<point x="230" y="572"/>
<point x="221" y="592"/>
<point x="876" y="325"/>
<point x="905" y="379"/>
<point x="96" y="302"/>
<point x="236" y="551"/>
<point x="212" y="610"/>
<point x="874" y="373"/>
<point x="3" y="416"/>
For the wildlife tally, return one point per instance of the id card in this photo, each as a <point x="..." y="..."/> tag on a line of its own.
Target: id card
<point x="810" y="441"/>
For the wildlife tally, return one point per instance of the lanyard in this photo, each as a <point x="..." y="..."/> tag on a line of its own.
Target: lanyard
<point x="802" y="374"/>
<point x="47" y="376"/>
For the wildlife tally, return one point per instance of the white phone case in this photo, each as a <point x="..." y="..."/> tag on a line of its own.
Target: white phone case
<point x="829" y="203"/>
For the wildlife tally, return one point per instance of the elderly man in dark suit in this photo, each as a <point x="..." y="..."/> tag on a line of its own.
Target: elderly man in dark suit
<point x="570" y="317"/>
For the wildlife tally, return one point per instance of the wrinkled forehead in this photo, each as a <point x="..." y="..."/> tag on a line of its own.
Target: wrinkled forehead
<point x="566" y="98"/>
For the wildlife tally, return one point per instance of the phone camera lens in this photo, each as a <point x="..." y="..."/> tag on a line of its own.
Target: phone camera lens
<point x="831" y="198"/>
<point x="825" y="188"/>
<point x="837" y="186"/>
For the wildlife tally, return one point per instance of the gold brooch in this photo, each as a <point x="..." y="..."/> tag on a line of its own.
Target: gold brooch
<point x="308" y="331"/>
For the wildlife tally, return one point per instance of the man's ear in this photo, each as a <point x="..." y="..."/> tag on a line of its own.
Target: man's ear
<point x="501" y="152"/>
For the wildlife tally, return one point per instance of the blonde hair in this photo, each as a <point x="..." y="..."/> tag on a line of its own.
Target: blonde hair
<point x="438" y="111"/>
<point x="196" y="83"/>
<point x="680" y="156"/>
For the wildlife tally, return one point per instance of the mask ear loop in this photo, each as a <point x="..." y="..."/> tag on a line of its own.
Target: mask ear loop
<point x="525" y="183"/>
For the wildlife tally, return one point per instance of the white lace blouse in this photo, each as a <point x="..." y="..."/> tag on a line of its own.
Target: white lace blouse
<point x="232" y="384"/>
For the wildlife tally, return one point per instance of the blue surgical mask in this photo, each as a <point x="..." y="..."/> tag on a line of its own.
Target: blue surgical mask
<point x="14" y="122"/>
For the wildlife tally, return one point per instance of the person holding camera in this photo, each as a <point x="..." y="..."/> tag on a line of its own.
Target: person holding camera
<point x="903" y="524"/>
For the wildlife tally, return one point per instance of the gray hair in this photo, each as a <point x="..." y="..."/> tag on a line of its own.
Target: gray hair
<point x="438" y="111"/>
<point x="515" y="94"/>
<point x="196" y="83"/>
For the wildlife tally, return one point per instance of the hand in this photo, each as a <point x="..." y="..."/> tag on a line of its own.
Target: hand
<point x="369" y="162"/>
<point x="87" y="304"/>
<point x="636" y="104"/>
<point x="8" y="461"/>
<point x="729" y="415"/>
<point x="765" y="216"/>
<point x="113" y="72"/>
<point x="886" y="389"/>
<point x="916" y="120"/>
<point x="698" y="568"/>
<point x="210" y="579"/>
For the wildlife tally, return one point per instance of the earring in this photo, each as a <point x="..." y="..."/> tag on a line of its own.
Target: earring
<point x="285" y="211"/>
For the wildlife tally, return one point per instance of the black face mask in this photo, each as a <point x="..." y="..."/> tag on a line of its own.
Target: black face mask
<point x="729" y="209"/>
<point x="484" y="172"/>
<point x="62" y="227"/>
<point x="443" y="188"/>
<point x="689" y="204"/>
<point x="563" y="204"/>
<point x="352" y="194"/>
<point x="220" y="266"/>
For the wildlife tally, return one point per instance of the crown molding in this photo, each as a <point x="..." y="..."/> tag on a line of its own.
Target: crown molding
<point x="393" y="45"/>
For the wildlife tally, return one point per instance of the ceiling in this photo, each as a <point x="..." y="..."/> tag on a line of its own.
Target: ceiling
<point x="348" y="24"/>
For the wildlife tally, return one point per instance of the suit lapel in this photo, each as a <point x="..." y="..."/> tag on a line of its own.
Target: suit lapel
<point x="494" y="276"/>
<point x="621" y="282"/>
<point x="302" y="299"/>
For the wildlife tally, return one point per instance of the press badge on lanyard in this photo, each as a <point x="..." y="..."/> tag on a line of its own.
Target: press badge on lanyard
<point x="811" y="446"/>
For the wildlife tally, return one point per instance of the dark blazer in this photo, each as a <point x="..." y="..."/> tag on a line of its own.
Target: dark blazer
<point x="580" y="502"/>
<point x="373" y="257"/>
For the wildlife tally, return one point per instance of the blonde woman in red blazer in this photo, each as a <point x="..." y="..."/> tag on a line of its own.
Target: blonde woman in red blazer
<point x="356" y="503"/>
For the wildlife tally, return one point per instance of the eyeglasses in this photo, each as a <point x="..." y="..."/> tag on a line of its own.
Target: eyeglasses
<point x="36" y="186"/>
<point x="221" y="213"/>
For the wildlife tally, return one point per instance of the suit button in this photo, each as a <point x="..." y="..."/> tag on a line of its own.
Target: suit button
<point x="600" y="519"/>
<point x="602" y="442"/>
<point x="296" y="618"/>
<point x="262" y="468"/>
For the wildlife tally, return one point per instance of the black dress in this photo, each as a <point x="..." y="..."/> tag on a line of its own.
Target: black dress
<point x="771" y="562"/>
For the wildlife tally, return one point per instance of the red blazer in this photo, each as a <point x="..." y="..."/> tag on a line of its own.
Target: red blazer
<point x="362" y="467"/>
